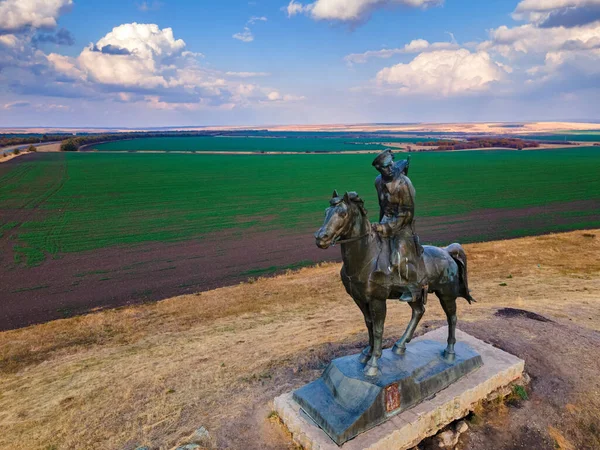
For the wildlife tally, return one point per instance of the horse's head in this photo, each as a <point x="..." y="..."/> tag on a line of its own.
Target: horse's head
<point x="340" y="218"/>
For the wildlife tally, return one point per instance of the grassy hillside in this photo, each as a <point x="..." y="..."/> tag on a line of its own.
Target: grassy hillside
<point x="152" y="374"/>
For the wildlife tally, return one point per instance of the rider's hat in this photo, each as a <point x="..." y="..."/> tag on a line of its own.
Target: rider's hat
<point x="385" y="158"/>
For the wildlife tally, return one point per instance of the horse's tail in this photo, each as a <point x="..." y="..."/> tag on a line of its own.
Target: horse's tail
<point x="458" y="254"/>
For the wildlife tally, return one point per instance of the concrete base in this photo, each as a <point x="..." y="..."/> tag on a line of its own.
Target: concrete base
<point x="410" y="427"/>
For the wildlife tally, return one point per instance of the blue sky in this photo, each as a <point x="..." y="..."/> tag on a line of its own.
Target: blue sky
<point x="229" y="62"/>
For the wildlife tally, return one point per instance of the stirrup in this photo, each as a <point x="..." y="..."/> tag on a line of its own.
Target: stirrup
<point x="406" y="297"/>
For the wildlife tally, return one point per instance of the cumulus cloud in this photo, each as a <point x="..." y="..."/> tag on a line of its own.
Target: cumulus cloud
<point x="415" y="46"/>
<point x="444" y="73"/>
<point x="542" y="6"/>
<point x="351" y="10"/>
<point x="295" y="8"/>
<point x="560" y="44"/>
<point x="66" y="66"/>
<point x="529" y="39"/>
<point x="16" y="15"/>
<point x="132" y="55"/>
<point x="134" y="63"/>
<point x="571" y="17"/>
<point x="554" y="13"/>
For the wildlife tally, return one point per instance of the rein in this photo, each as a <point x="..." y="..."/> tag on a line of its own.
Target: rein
<point x="347" y="241"/>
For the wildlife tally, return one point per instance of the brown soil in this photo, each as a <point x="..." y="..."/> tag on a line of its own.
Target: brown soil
<point x="117" y="276"/>
<point x="151" y="374"/>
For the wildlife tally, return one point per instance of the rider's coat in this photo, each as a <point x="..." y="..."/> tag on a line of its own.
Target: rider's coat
<point x="401" y="253"/>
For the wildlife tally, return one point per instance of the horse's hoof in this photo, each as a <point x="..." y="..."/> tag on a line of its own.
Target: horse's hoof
<point x="449" y="356"/>
<point x="399" y="349"/>
<point x="371" y="371"/>
<point x="365" y="356"/>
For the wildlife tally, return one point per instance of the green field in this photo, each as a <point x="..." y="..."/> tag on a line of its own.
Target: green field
<point x="85" y="201"/>
<point x="253" y="144"/>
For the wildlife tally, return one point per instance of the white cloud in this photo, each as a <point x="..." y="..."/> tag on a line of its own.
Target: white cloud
<point x="553" y="13"/>
<point x="546" y="54"/>
<point x="15" y="15"/>
<point x="415" y="46"/>
<point x="277" y="97"/>
<point x="294" y="8"/>
<point x="40" y="107"/>
<point x="527" y="39"/>
<point x="138" y="55"/>
<point x="144" y="40"/>
<point x="255" y="19"/>
<point x="66" y="65"/>
<point x="561" y="44"/>
<point x="544" y="6"/>
<point x="133" y="63"/>
<point x="351" y="10"/>
<point x="9" y="40"/>
<point x="14" y="105"/>
<point x="244" y="36"/>
<point x="443" y="73"/>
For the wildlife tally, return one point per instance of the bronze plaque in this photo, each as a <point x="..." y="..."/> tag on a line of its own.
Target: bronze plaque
<point x="392" y="397"/>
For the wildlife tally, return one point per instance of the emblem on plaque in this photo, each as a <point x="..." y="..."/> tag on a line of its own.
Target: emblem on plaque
<point x="392" y="397"/>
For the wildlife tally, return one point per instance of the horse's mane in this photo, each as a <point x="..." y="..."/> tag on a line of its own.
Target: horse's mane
<point x="354" y="198"/>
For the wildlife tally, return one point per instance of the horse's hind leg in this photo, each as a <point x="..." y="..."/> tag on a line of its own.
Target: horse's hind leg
<point x="418" y="309"/>
<point x="448" y="303"/>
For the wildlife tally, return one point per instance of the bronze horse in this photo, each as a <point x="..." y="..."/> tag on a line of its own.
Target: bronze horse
<point x="346" y="222"/>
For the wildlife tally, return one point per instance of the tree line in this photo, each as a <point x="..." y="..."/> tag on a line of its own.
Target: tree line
<point x="8" y="140"/>
<point x="472" y="143"/>
<point x="71" y="142"/>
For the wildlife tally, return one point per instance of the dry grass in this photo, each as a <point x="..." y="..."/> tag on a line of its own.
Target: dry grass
<point x="151" y="374"/>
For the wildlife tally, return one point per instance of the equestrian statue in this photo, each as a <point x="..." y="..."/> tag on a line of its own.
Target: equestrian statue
<point x="385" y="260"/>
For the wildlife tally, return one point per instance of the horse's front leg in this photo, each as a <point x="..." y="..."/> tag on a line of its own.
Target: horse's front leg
<point x="418" y="309"/>
<point x="368" y="350"/>
<point x="378" y="312"/>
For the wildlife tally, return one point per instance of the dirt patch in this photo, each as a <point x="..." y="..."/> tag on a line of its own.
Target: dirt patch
<point x="513" y="312"/>
<point x="152" y="374"/>
<point x="563" y="362"/>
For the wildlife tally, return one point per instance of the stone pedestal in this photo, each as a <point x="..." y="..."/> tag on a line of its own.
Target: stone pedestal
<point x="344" y="403"/>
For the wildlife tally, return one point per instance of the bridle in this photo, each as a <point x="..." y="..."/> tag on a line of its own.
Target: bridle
<point x="336" y="240"/>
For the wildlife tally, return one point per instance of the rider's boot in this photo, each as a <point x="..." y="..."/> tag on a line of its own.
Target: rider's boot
<point x="412" y="293"/>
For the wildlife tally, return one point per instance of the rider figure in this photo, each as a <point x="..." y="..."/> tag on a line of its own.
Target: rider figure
<point x="401" y="252"/>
